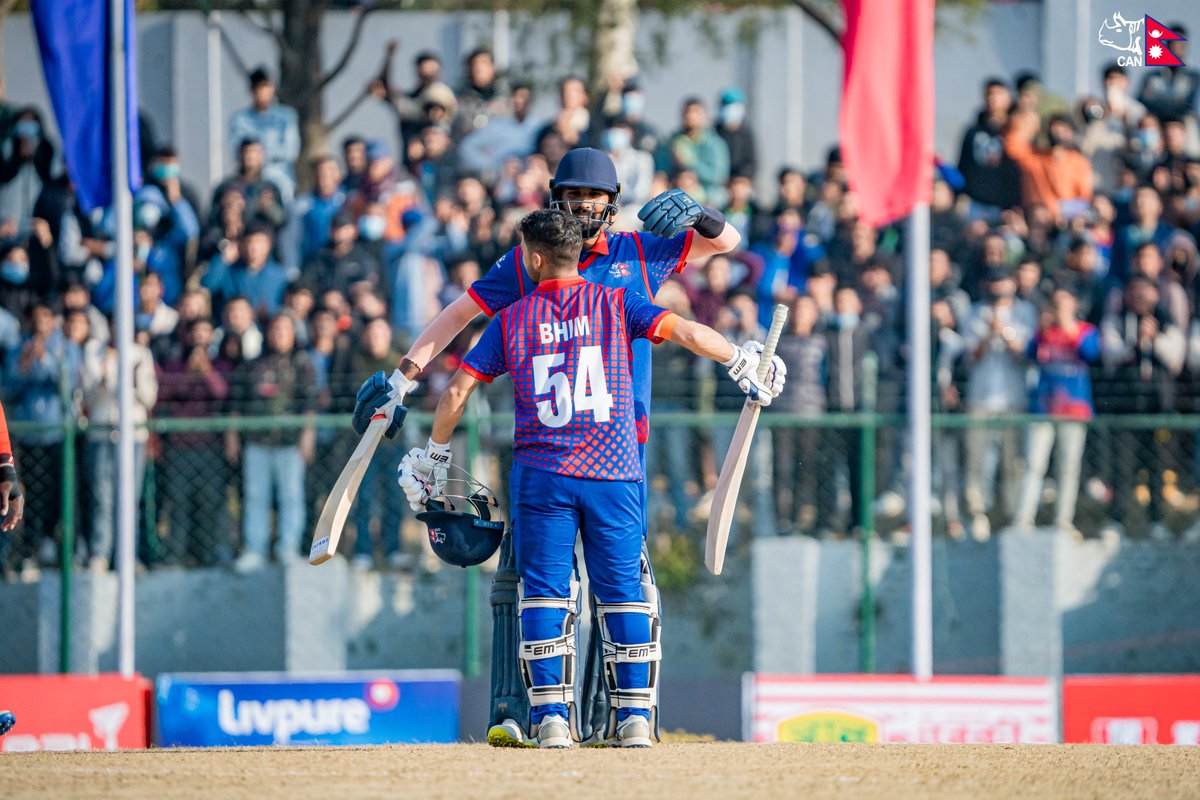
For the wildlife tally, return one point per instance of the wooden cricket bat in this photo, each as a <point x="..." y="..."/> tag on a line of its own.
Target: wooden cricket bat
<point x="725" y="496"/>
<point x="341" y="497"/>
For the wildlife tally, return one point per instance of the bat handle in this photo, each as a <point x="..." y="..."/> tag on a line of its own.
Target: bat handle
<point x="382" y="411"/>
<point x="778" y="320"/>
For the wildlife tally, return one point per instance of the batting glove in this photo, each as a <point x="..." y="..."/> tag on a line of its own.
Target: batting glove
<point x="380" y="394"/>
<point x="776" y="373"/>
<point x="671" y="211"/>
<point x="422" y="473"/>
<point x="743" y="370"/>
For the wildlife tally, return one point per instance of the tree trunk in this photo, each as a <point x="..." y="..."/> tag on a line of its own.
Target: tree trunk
<point x="611" y="58"/>
<point x="300" y="79"/>
<point x="6" y="6"/>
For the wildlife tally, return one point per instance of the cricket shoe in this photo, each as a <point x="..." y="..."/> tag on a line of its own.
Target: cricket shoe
<point x="633" y="731"/>
<point x="508" y="734"/>
<point x="554" y="733"/>
<point x="7" y="720"/>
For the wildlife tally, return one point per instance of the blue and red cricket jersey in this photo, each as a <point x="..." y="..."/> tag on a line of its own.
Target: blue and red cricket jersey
<point x="567" y="346"/>
<point x="637" y="262"/>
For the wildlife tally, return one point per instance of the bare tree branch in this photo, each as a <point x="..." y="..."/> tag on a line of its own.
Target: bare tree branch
<point x="233" y="51"/>
<point x="822" y="17"/>
<point x="332" y="124"/>
<point x="264" y="23"/>
<point x="348" y="51"/>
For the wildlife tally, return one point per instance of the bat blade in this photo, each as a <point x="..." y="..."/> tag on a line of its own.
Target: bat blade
<point x="720" y="517"/>
<point x="337" y="506"/>
<point x="725" y="496"/>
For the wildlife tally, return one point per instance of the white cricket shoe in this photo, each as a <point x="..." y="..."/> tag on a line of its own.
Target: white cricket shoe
<point x="553" y="732"/>
<point x="633" y="731"/>
<point x="508" y="733"/>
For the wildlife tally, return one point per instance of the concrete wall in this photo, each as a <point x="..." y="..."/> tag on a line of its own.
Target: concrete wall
<point x="1023" y="604"/>
<point x="790" y="68"/>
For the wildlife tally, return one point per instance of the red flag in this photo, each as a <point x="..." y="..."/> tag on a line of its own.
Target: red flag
<point x="887" y="106"/>
<point x="1157" y="52"/>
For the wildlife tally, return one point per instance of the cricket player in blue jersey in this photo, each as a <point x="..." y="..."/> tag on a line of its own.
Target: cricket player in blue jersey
<point x="677" y="229"/>
<point x="576" y="470"/>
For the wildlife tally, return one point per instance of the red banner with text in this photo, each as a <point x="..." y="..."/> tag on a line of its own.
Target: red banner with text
<point x="75" y="712"/>
<point x="1132" y="709"/>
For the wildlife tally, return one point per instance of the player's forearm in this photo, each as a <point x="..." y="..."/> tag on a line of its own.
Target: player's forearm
<point x="701" y="340"/>
<point x="726" y="241"/>
<point x="451" y="407"/>
<point x="438" y="334"/>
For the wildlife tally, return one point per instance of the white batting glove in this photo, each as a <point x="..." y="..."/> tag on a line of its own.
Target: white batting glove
<point x="743" y="369"/>
<point x="422" y="473"/>
<point x="776" y="373"/>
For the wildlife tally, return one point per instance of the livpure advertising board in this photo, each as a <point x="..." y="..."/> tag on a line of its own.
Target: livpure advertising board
<point x="274" y="708"/>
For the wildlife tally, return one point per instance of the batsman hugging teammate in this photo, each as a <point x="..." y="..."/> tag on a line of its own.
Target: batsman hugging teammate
<point x="576" y="470"/>
<point x="677" y="229"/>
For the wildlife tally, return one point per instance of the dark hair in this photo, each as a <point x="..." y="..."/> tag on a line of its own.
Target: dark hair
<point x="426" y="55"/>
<point x="994" y="81"/>
<point x="556" y="236"/>
<point x="352" y="140"/>
<point x="1113" y="68"/>
<point x="1148" y="245"/>
<point x="692" y="100"/>
<point x="476" y="53"/>
<point x="1025" y="79"/>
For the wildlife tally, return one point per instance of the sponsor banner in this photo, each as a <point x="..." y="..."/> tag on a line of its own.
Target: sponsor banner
<point x="1132" y="709"/>
<point x="351" y="708"/>
<point x="897" y="708"/>
<point x="75" y="712"/>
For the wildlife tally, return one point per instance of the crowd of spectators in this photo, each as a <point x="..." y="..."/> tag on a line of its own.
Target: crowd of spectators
<point x="1064" y="257"/>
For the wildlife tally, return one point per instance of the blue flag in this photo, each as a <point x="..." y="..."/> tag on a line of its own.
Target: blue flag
<point x="74" y="39"/>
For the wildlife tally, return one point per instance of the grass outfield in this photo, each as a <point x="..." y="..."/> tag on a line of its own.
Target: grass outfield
<point x="691" y="771"/>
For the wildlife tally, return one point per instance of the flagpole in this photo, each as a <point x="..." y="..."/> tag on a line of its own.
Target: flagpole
<point x="920" y="440"/>
<point x="123" y="221"/>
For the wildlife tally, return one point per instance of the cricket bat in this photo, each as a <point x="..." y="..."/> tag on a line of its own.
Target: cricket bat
<point x="341" y="497"/>
<point x="725" y="496"/>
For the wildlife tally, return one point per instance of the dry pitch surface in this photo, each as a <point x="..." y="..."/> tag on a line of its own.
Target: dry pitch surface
<point x="688" y="771"/>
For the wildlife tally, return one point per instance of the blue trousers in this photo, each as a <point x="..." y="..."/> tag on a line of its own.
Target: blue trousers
<point x="550" y="510"/>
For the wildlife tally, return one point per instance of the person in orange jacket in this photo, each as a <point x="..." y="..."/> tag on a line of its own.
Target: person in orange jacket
<point x="1058" y="177"/>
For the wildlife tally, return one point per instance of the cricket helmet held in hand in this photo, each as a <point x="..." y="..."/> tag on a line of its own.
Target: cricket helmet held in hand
<point x="461" y="529"/>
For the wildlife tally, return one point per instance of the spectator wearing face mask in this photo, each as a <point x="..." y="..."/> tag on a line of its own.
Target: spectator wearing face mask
<point x="733" y="128"/>
<point x="16" y="290"/>
<point x="635" y="172"/>
<point x="26" y="160"/>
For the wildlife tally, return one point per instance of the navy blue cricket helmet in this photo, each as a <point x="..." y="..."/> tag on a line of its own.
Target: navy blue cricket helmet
<point x="587" y="168"/>
<point x="463" y="533"/>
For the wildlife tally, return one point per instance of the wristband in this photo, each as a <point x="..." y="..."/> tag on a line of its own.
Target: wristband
<point x="437" y="452"/>
<point x="8" y="473"/>
<point x="710" y="224"/>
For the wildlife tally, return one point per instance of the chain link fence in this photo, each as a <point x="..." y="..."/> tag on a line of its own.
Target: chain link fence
<point x="217" y="488"/>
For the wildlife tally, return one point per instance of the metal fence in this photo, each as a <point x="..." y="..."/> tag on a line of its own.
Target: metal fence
<point x="209" y="483"/>
<point x="219" y="487"/>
